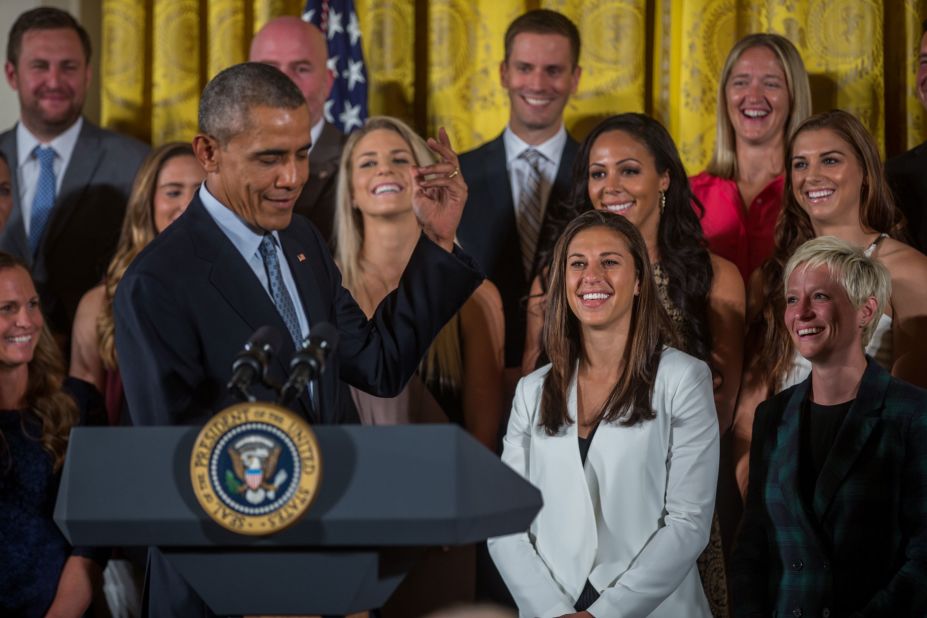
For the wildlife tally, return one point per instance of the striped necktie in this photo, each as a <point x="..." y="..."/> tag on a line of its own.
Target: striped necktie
<point x="278" y="292"/>
<point x="529" y="215"/>
<point x="44" y="199"/>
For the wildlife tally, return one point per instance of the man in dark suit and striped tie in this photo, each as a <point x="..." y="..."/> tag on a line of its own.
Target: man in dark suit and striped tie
<point x="517" y="180"/>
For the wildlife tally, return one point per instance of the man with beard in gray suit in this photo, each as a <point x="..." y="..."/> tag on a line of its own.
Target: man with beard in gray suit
<point x="70" y="179"/>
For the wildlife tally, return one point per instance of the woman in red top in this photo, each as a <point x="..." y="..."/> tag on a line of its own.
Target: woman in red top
<point x="763" y="95"/>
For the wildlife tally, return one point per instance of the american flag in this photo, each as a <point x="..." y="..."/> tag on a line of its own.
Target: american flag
<point x="346" y="107"/>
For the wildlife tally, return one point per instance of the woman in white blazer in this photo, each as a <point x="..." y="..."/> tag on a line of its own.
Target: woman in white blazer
<point x="620" y="435"/>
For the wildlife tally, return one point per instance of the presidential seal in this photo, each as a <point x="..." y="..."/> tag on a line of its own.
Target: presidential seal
<point x="255" y="468"/>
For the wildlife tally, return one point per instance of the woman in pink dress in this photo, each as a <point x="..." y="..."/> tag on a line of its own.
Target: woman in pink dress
<point x="762" y="96"/>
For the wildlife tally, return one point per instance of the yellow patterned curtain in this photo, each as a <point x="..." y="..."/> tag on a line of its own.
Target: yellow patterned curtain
<point x="436" y="62"/>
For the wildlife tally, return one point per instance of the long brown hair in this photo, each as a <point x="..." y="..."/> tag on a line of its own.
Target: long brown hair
<point x="767" y="337"/>
<point x="138" y="229"/>
<point x="44" y="400"/>
<point x="629" y="402"/>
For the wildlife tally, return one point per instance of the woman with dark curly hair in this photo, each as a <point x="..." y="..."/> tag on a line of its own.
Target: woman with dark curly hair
<point x="835" y="186"/>
<point x="629" y="165"/>
<point x="39" y="572"/>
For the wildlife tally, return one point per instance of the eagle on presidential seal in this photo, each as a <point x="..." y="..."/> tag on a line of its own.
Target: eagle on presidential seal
<point x="254" y="461"/>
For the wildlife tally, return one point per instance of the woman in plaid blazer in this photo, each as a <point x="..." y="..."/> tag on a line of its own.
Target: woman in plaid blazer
<point x="836" y="516"/>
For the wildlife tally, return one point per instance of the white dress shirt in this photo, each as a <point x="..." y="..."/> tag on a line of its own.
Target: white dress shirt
<point x="633" y="520"/>
<point x="247" y="241"/>
<point x="27" y="172"/>
<point x="518" y="168"/>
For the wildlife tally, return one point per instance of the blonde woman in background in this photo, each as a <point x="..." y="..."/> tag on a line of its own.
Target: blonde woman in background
<point x="164" y="186"/>
<point x="460" y="378"/>
<point x="763" y="95"/>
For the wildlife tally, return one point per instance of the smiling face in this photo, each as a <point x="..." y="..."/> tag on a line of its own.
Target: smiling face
<point x="826" y="177"/>
<point x="539" y="76"/>
<point x="51" y="78"/>
<point x="20" y="318"/>
<point x="601" y="279"/>
<point x="824" y="325"/>
<point x="177" y="181"/>
<point x="757" y="97"/>
<point x="623" y="179"/>
<point x="260" y="171"/>
<point x="381" y="174"/>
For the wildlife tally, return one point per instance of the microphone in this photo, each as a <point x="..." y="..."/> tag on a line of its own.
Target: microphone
<point x="308" y="361"/>
<point x="251" y="363"/>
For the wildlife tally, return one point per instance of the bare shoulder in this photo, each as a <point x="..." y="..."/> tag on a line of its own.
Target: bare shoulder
<point x="725" y="276"/>
<point x="902" y="261"/>
<point x="91" y="303"/>
<point x="484" y="300"/>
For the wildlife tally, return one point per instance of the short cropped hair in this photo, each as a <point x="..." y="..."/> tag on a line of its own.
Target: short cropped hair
<point x="544" y="21"/>
<point x="43" y="18"/>
<point x="862" y="277"/>
<point x="233" y="93"/>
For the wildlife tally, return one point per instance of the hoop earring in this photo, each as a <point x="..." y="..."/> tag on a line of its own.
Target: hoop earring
<point x="662" y="201"/>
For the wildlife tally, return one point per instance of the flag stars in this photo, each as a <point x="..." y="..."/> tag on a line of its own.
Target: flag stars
<point x="334" y="24"/>
<point x="355" y="73"/>
<point x="308" y="15"/>
<point x="350" y="117"/>
<point x="354" y="29"/>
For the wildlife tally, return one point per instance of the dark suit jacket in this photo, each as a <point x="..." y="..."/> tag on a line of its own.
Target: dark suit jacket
<point x="317" y="200"/>
<point x="907" y="175"/>
<point x="488" y="231"/>
<point x="81" y="235"/>
<point x="189" y="301"/>
<point x="861" y="548"/>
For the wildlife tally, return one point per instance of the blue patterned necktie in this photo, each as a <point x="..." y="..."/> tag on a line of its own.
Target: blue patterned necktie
<point x="278" y="290"/>
<point x="528" y="217"/>
<point x="44" y="199"/>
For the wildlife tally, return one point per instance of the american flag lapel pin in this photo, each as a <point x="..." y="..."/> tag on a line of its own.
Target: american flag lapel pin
<point x="301" y="257"/>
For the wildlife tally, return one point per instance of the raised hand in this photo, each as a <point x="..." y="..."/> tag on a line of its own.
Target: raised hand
<point x="439" y="193"/>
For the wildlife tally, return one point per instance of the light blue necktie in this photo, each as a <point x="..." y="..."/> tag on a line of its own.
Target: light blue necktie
<point x="278" y="290"/>
<point x="44" y="199"/>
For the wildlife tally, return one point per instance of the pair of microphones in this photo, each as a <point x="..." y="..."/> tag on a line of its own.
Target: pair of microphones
<point x="307" y="363"/>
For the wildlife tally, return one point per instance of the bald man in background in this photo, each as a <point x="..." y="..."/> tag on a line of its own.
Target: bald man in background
<point x="299" y="50"/>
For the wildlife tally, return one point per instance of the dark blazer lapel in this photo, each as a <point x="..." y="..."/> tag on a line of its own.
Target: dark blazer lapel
<point x="785" y="456"/>
<point x="303" y="269"/>
<point x="14" y="234"/>
<point x="497" y="178"/>
<point x="234" y="279"/>
<point x="861" y="419"/>
<point x="81" y="168"/>
<point x="323" y="163"/>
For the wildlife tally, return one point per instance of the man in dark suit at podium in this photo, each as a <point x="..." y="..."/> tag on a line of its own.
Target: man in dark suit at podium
<point x="907" y="173"/>
<point x="299" y="50"/>
<point x="517" y="180"/>
<point x="237" y="260"/>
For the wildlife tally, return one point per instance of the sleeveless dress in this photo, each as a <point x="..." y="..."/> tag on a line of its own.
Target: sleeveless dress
<point x="711" y="561"/>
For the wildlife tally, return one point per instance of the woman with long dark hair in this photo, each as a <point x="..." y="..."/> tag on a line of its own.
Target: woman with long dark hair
<point x="39" y="572"/>
<point x="835" y="186"/>
<point x="629" y="165"/>
<point x="619" y="433"/>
